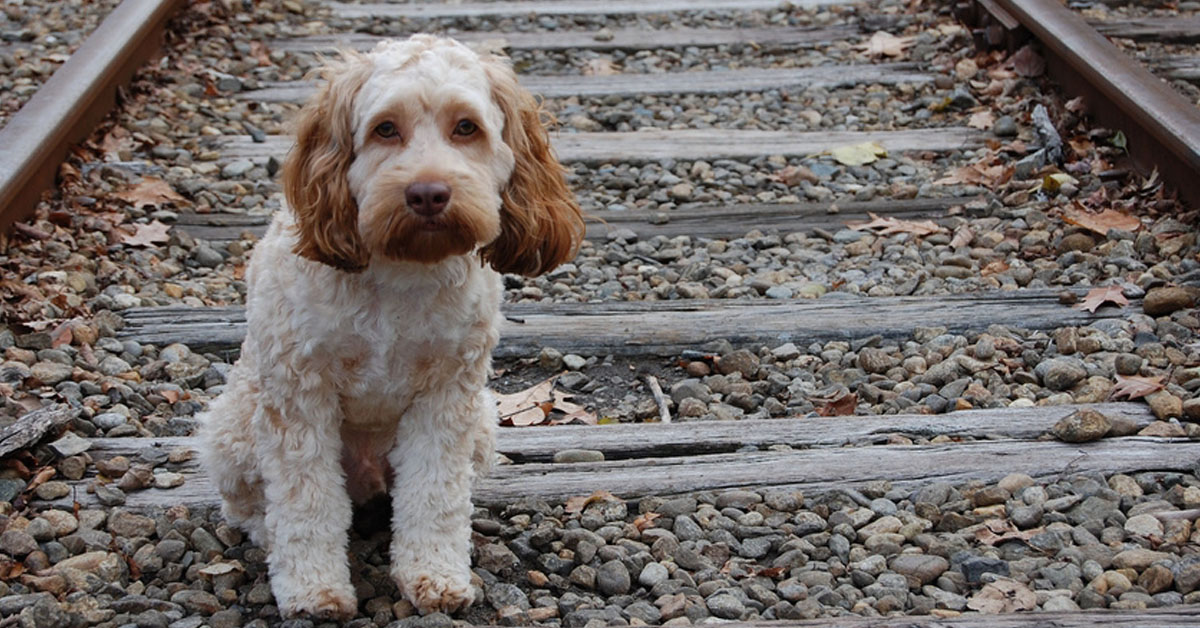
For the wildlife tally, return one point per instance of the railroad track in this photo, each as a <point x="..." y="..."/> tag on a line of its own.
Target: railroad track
<point x="862" y="417"/>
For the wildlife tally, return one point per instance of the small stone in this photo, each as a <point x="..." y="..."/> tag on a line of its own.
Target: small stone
<point x="550" y="359"/>
<point x="51" y="373"/>
<point x="574" y="362"/>
<point x="17" y="543"/>
<point x="1005" y="126"/>
<point x="1082" y="426"/>
<point x="1138" y="558"/>
<point x="1156" y="579"/>
<point x="1146" y="525"/>
<point x="612" y="578"/>
<point x="1163" y="429"/>
<point x="168" y="479"/>
<point x="1061" y="373"/>
<point x="578" y="455"/>
<point x="924" y="568"/>
<point x="197" y="601"/>
<point x="70" y="444"/>
<point x="652" y="574"/>
<point x="725" y="606"/>
<point x="1076" y="242"/>
<point x="741" y="361"/>
<point x="1164" y="405"/>
<point x="1164" y="301"/>
<point x="53" y="490"/>
<point x="1186" y="572"/>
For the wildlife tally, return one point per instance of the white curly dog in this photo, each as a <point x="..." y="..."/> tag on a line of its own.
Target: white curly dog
<point x="420" y="170"/>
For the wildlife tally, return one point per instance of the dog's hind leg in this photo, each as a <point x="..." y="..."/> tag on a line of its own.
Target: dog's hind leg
<point x="227" y="454"/>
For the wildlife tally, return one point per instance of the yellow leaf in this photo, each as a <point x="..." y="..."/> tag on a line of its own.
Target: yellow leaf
<point x="858" y="154"/>
<point x="1052" y="182"/>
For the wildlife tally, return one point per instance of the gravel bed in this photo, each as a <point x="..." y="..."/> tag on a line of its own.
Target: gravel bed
<point x="1150" y="52"/>
<point x="1092" y="541"/>
<point x="1080" y="542"/>
<point x="38" y="36"/>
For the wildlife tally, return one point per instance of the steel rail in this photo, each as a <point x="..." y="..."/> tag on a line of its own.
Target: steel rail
<point x="1162" y="129"/>
<point x="73" y="101"/>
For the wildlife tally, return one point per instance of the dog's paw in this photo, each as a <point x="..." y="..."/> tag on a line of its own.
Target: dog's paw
<point x="432" y="593"/>
<point x="338" y="604"/>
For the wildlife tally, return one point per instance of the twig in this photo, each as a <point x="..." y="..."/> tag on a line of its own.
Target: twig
<point x="664" y="414"/>
<point x="1192" y="514"/>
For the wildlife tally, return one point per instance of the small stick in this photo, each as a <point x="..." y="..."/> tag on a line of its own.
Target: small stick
<point x="1192" y="514"/>
<point x="664" y="414"/>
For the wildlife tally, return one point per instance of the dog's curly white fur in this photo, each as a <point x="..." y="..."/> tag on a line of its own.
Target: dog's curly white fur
<point x="420" y="170"/>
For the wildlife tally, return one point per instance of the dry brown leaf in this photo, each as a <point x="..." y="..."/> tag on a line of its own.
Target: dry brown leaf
<point x="1003" y="596"/>
<point x="884" y="44"/>
<point x="600" y="67"/>
<point x="998" y="530"/>
<point x="793" y="175"/>
<point x="575" y="505"/>
<point x="842" y="406"/>
<point x="151" y="191"/>
<point x="645" y="520"/>
<point x="889" y="225"/>
<point x="1102" y="222"/>
<point x="977" y="174"/>
<point x="1136" y="386"/>
<point x="539" y="404"/>
<point x="1027" y="62"/>
<point x="982" y="120"/>
<point x="222" y="568"/>
<point x="116" y="141"/>
<point x="994" y="268"/>
<point x="151" y="234"/>
<point x="1097" y="297"/>
<point x="962" y="237"/>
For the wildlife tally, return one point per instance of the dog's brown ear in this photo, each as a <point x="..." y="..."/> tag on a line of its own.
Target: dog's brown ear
<point x="541" y="225"/>
<point x="314" y="174"/>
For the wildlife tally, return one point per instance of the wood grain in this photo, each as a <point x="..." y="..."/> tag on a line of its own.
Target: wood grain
<point x="656" y="144"/>
<point x="665" y="328"/>
<point x="557" y="7"/>
<point x="768" y="38"/>
<point x="812" y="471"/>
<point x="706" y="82"/>
<point x="698" y="221"/>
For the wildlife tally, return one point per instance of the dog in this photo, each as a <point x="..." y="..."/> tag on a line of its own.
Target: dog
<point x="421" y="171"/>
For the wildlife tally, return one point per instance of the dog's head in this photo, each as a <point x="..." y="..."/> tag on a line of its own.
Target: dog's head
<point x="423" y="149"/>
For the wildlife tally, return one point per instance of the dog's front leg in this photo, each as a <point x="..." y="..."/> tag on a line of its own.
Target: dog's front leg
<point x="431" y="500"/>
<point x="307" y="508"/>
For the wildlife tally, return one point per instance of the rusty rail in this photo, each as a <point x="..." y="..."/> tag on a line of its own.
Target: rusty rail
<point x="1162" y="129"/>
<point x="75" y="98"/>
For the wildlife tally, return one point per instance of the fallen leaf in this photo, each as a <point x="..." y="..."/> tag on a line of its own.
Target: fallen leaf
<point x="884" y="44"/>
<point x="1052" y="182"/>
<point x="599" y="67"/>
<point x="962" y="237"/>
<point x="1102" y="222"/>
<point x="147" y="234"/>
<point x="889" y="225"/>
<point x="539" y="404"/>
<point x="151" y="191"/>
<point x="645" y="520"/>
<point x="1027" y="62"/>
<point x="842" y="406"/>
<point x="994" y="268"/>
<point x="998" y="530"/>
<point x="221" y="568"/>
<point x="1076" y="105"/>
<point x="115" y="142"/>
<point x="1004" y="595"/>
<point x="858" y="154"/>
<point x="575" y="505"/>
<point x="1099" y="296"/>
<point x="1136" y="386"/>
<point x="793" y="175"/>
<point x="982" y="120"/>
<point x="965" y="68"/>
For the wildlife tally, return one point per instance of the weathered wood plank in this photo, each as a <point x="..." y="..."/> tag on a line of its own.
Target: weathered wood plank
<point x="700" y="221"/>
<point x="558" y="7"/>
<point x="706" y="82"/>
<point x="661" y="440"/>
<point x="1159" y="617"/>
<point x="32" y="427"/>
<point x="1177" y="29"/>
<point x="813" y="471"/>
<point x="652" y="145"/>
<point x="665" y="328"/>
<point x="1178" y="67"/>
<point x="622" y="39"/>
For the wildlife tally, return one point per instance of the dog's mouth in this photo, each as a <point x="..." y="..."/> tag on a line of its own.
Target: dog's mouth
<point x="432" y="223"/>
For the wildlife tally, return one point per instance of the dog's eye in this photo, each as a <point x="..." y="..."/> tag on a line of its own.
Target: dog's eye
<point x="387" y="130"/>
<point x="465" y="128"/>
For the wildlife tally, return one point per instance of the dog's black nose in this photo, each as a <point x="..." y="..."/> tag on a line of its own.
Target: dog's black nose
<point x="427" y="198"/>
